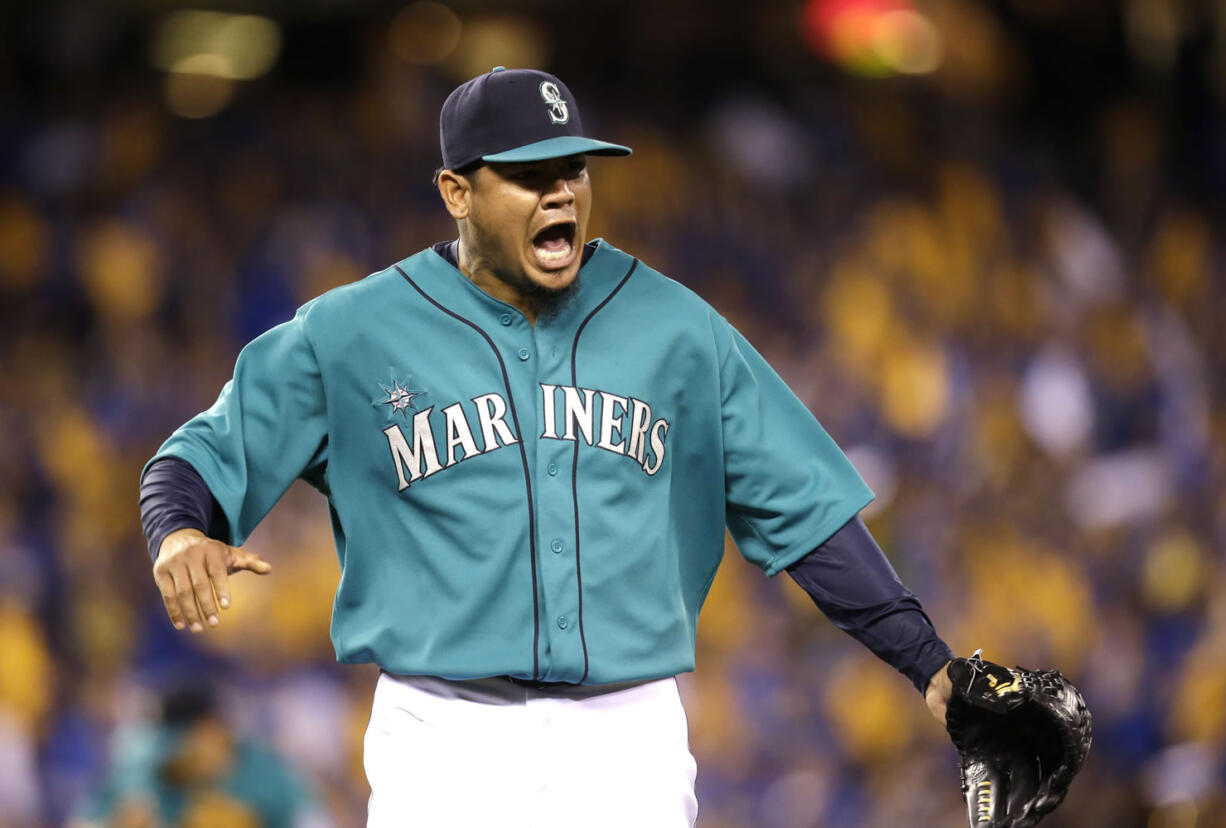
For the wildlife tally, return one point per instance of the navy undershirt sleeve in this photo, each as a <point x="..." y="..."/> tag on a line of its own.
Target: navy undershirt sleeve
<point x="174" y="496"/>
<point x="853" y="584"/>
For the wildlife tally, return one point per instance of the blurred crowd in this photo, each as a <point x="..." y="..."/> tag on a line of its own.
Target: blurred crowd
<point x="1018" y="342"/>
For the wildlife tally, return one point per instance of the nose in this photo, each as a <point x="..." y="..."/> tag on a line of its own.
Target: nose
<point x="559" y="194"/>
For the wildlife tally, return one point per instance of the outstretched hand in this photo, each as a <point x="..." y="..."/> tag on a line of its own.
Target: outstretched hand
<point x="940" y="689"/>
<point x="193" y="571"/>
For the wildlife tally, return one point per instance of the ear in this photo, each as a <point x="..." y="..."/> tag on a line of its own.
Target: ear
<point x="456" y="191"/>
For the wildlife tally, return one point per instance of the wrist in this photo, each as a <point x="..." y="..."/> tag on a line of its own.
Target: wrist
<point x="179" y="538"/>
<point x="940" y="689"/>
<point x="940" y="681"/>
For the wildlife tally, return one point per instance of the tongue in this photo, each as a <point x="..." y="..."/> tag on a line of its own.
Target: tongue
<point x="553" y="239"/>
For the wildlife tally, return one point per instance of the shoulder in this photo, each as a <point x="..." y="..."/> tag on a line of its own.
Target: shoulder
<point x="656" y="294"/>
<point x="346" y="303"/>
<point x="372" y="288"/>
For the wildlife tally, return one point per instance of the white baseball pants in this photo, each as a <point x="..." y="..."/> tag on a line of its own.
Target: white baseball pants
<point x="450" y="754"/>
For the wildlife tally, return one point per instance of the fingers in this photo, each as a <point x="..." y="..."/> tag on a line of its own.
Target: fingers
<point x="187" y="599"/>
<point x="166" y="585"/>
<point x="193" y="577"/>
<point x="215" y="566"/>
<point x="202" y="587"/>
<point x="249" y="561"/>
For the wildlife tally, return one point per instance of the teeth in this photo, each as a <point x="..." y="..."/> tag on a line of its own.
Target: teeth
<point x="550" y="256"/>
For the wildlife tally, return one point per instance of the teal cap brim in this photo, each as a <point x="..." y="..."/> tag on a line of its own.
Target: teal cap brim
<point x="559" y="147"/>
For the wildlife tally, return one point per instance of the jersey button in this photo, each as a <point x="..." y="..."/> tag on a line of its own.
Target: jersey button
<point x="563" y="622"/>
<point x="523" y="353"/>
<point x="505" y="319"/>
<point x="552" y="468"/>
<point x="556" y="546"/>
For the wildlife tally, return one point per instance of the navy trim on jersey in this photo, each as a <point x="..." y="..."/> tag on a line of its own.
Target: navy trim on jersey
<point x="449" y="251"/>
<point x="574" y="471"/>
<point x="523" y="456"/>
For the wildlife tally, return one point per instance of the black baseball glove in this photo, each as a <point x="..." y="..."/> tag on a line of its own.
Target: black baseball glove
<point x="1021" y="736"/>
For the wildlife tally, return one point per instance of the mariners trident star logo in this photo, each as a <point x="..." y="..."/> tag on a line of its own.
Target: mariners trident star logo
<point x="554" y="104"/>
<point x="397" y="397"/>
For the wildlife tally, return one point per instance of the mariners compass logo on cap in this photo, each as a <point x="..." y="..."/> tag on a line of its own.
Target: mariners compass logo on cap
<point x="554" y="103"/>
<point x="497" y="117"/>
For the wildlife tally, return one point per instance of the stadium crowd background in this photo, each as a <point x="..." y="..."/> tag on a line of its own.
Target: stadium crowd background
<point x="981" y="240"/>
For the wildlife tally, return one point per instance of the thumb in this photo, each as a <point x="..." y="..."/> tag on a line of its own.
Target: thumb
<point x="241" y="559"/>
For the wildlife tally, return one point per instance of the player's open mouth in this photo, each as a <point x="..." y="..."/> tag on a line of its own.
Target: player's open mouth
<point x="554" y="246"/>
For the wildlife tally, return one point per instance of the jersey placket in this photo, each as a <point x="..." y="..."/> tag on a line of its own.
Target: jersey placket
<point x="563" y="648"/>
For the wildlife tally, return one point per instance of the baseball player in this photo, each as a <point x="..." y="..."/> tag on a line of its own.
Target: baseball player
<point x="531" y="444"/>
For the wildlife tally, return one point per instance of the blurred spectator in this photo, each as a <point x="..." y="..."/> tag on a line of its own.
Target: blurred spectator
<point x="190" y="768"/>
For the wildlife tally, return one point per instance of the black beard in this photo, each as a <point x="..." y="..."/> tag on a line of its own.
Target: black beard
<point x="546" y="302"/>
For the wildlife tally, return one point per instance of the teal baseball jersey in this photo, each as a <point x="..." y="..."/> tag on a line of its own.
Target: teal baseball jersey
<point x="544" y="502"/>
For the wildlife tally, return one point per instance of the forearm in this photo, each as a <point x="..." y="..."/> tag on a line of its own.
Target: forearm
<point x="173" y="496"/>
<point x="852" y="583"/>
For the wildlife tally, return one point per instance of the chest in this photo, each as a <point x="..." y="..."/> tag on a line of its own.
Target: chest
<point x="418" y="393"/>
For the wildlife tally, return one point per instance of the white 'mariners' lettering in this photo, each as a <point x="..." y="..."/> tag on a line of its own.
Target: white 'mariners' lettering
<point x="658" y="429"/>
<point x="622" y="426"/>
<point x="491" y="409"/>
<point x="547" y="411"/>
<point x="610" y="421"/>
<point x="576" y="409"/>
<point x="422" y="450"/>
<point x="640" y="421"/>
<point x="458" y="434"/>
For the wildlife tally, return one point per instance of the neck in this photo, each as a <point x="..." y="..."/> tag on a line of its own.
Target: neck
<point x="480" y="271"/>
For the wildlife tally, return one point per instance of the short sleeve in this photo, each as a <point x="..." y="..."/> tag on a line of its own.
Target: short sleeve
<point x="788" y="486"/>
<point x="267" y="428"/>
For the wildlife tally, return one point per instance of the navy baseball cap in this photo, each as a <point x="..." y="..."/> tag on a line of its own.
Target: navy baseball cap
<point x="514" y="115"/>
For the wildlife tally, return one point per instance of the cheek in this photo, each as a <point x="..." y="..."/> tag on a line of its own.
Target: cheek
<point x="583" y="205"/>
<point x="510" y="221"/>
<point x="495" y="228"/>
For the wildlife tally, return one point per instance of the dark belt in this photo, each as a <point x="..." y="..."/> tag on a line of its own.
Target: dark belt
<point x="532" y="684"/>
